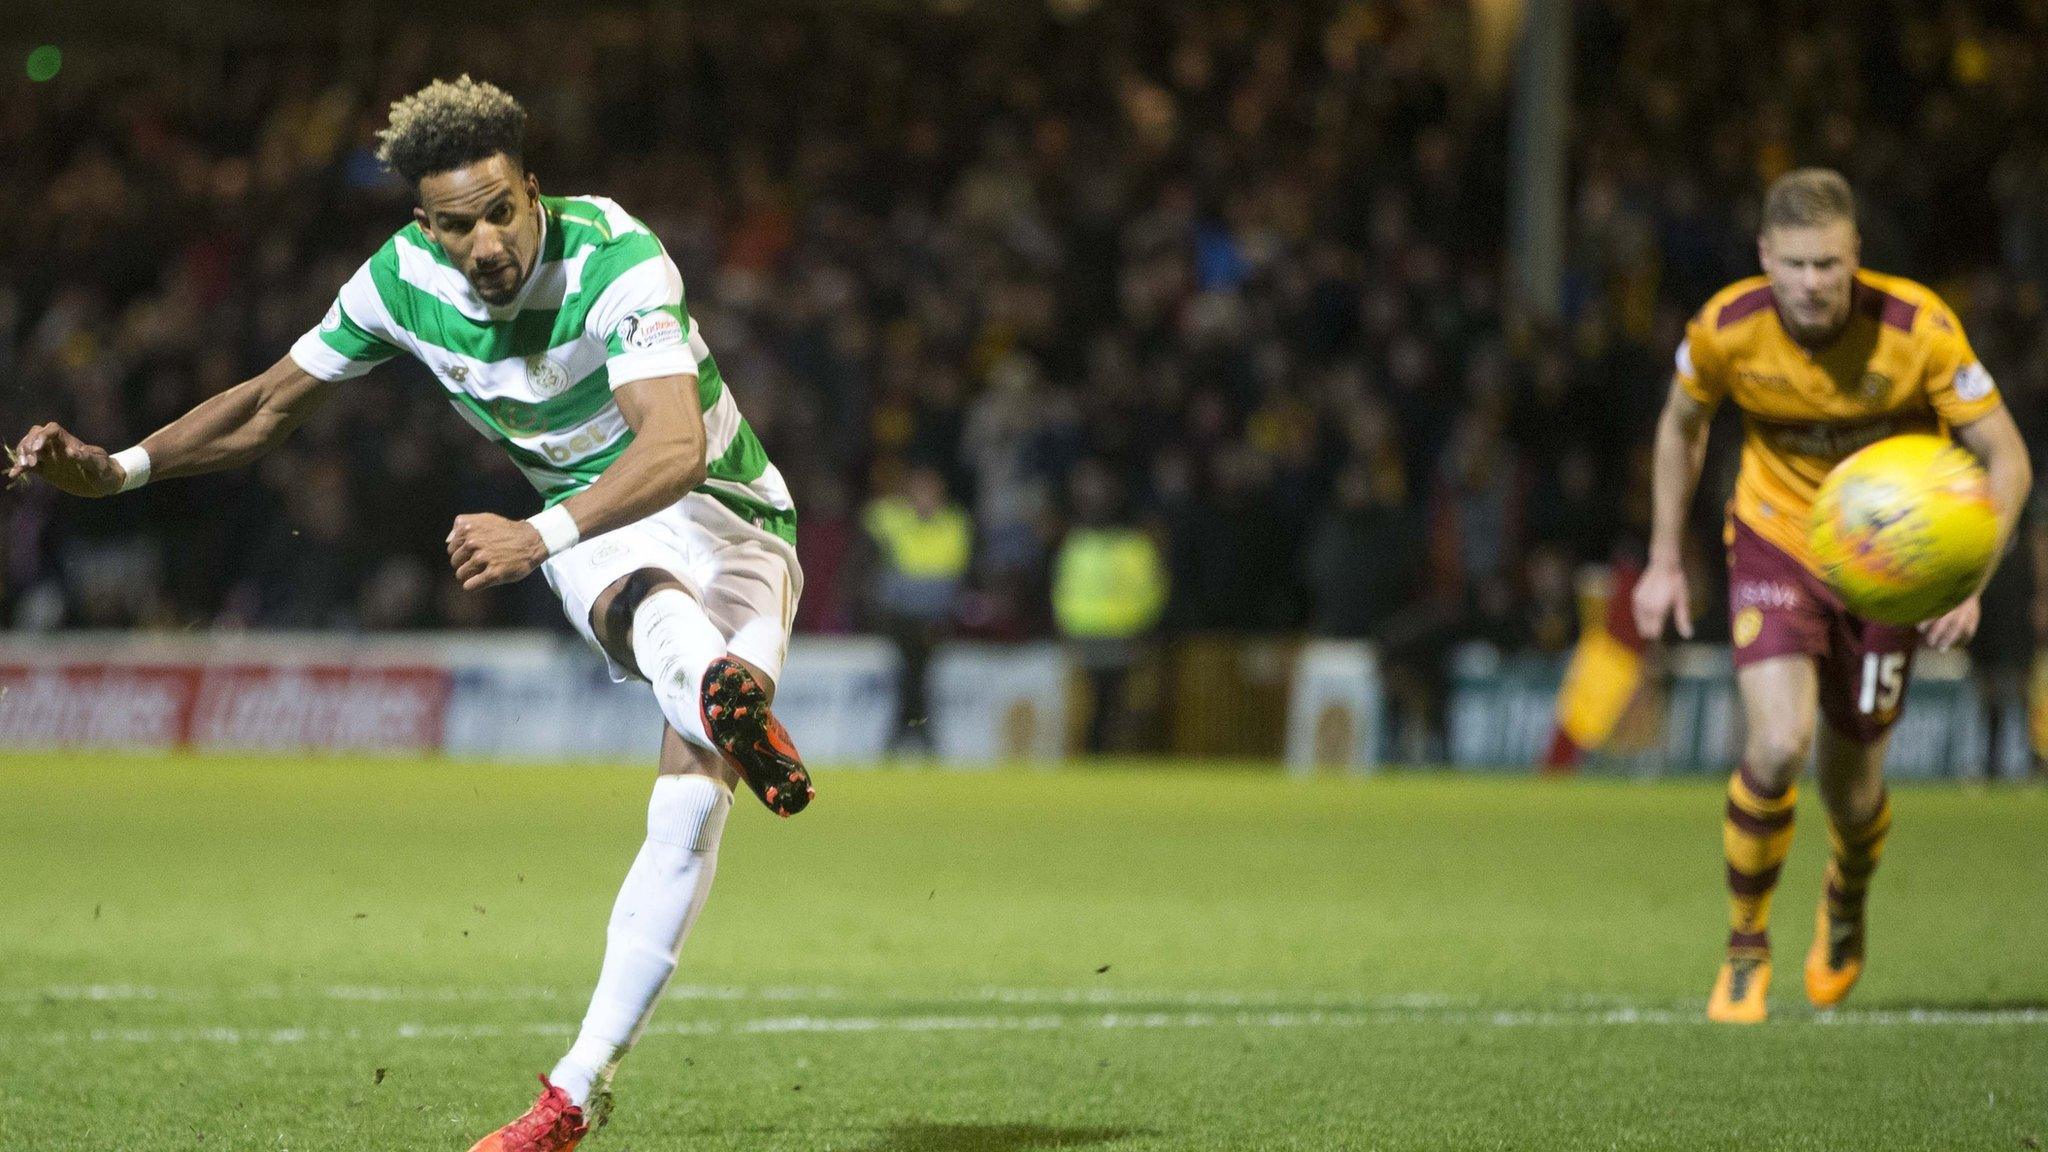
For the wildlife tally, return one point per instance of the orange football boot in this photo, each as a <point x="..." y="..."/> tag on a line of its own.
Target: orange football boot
<point x="737" y="719"/>
<point x="1835" y="961"/>
<point x="553" y="1124"/>
<point x="1739" y="991"/>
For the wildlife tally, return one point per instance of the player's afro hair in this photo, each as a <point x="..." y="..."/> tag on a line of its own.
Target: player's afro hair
<point x="449" y="124"/>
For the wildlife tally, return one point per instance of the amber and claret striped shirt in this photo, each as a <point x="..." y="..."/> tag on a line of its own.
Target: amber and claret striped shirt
<point x="1901" y="365"/>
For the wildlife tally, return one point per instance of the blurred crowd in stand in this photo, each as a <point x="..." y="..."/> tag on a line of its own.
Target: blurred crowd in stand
<point x="1225" y="277"/>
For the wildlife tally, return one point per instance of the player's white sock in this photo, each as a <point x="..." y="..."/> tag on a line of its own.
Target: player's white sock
<point x="673" y="642"/>
<point x="663" y="892"/>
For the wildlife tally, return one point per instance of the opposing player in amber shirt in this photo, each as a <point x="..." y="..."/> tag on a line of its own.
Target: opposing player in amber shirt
<point x="1822" y="358"/>
<point x="1900" y="363"/>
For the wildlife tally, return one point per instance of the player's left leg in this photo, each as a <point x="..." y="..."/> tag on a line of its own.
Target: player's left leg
<point x="1862" y="694"/>
<point x="662" y="894"/>
<point x="1859" y="817"/>
<point x="745" y="592"/>
<point x="667" y="591"/>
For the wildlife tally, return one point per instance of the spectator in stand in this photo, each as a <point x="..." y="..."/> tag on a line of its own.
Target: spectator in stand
<point x="1004" y="448"/>
<point x="1477" y="514"/>
<point x="1364" y="556"/>
<point x="920" y="541"/>
<point x="831" y="550"/>
<point x="303" y="576"/>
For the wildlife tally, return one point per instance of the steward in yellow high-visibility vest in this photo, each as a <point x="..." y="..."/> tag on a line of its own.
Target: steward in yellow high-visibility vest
<point x="923" y="544"/>
<point x="1109" y="588"/>
<point x="924" y="553"/>
<point x="1109" y="583"/>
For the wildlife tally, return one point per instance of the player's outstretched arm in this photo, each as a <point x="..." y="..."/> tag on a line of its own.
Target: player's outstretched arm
<point x="661" y="465"/>
<point x="227" y="430"/>
<point x="1681" y="452"/>
<point x="74" y="466"/>
<point x="1994" y="439"/>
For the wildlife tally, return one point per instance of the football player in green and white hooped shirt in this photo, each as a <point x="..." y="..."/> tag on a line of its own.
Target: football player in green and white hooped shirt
<point x="557" y="327"/>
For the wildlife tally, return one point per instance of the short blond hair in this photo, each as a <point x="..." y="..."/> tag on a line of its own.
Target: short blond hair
<point x="1805" y="197"/>
<point x="450" y="124"/>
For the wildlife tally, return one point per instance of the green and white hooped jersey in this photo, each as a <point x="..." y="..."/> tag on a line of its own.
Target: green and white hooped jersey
<point x="602" y="307"/>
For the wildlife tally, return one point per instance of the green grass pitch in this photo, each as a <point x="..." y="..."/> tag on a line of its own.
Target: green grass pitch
<point x="323" y="954"/>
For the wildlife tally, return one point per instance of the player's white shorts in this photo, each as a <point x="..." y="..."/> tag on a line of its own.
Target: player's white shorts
<point x="746" y="578"/>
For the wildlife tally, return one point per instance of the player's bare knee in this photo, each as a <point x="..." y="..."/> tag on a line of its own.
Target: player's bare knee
<point x="611" y="615"/>
<point x="1776" y="753"/>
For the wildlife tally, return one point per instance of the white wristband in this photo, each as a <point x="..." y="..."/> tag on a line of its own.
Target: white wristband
<point x="557" y="529"/>
<point x="134" y="464"/>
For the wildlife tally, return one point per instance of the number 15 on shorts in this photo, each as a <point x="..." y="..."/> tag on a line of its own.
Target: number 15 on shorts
<point x="1884" y="678"/>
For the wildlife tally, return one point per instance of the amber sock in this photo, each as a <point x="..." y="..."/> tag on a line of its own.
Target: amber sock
<point x="1756" y="833"/>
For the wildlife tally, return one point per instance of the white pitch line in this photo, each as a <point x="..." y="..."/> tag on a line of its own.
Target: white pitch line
<point x="1043" y="1022"/>
<point x="1079" y="996"/>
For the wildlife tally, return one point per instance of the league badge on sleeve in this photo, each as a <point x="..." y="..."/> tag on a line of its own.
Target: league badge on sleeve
<point x="1972" y="382"/>
<point x="654" y="328"/>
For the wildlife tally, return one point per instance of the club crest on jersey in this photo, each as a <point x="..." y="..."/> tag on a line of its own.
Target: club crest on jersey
<point x="1874" y="386"/>
<point x="546" y="376"/>
<point x="651" y="329"/>
<point x="332" y="320"/>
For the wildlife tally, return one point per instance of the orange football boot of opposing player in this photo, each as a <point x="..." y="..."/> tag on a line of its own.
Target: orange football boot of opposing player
<point x="1740" y="992"/>
<point x="1835" y="961"/>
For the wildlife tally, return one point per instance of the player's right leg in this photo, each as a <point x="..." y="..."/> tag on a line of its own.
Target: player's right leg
<point x="652" y="621"/>
<point x="1779" y="706"/>
<point x="1779" y="615"/>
